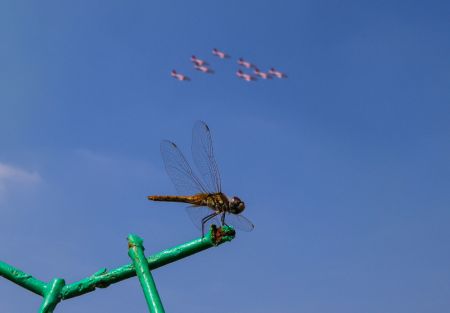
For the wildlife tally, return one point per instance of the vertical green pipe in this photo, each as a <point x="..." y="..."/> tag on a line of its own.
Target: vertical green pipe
<point x="22" y="279"/>
<point x="136" y="253"/>
<point x="52" y="295"/>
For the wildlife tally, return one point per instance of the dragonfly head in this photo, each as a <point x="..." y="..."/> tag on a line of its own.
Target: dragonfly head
<point x="236" y="205"/>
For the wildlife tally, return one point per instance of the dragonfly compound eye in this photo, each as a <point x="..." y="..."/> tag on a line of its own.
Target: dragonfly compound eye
<point x="236" y="205"/>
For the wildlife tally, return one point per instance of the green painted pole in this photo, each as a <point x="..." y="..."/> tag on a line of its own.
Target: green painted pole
<point x="52" y="295"/>
<point x="22" y="279"/>
<point x="104" y="278"/>
<point x="136" y="253"/>
<point x="56" y="290"/>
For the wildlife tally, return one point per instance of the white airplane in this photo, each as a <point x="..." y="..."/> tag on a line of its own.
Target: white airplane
<point x="203" y="69"/>
<point x="244" y="76"/>
<point x="197" y="61"/>
<point x="178" y="76"/>
<point x="263" y="75"/>
<point x="277" y="73"/>
<point x="244" y="63"/>
<point x="220" y="54"/>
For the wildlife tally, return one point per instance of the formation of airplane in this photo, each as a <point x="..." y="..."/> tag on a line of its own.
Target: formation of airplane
<point x="204" y="67"/>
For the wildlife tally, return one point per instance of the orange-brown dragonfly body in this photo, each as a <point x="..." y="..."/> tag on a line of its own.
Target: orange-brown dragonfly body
<point x="215" y="201"/>
<point x="202" y="193"/>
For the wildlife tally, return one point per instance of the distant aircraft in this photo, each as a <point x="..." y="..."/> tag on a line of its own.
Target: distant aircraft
<point x="179" y="76"/>
<point x="203" y="69"/>
<point x="220" y="54"/>
<point x="263" y="75"/>
<point x="277" y="73"/>
<point x="197" y="61"/>
<point x="244" y="76"/>
<point x="244" y="63"/>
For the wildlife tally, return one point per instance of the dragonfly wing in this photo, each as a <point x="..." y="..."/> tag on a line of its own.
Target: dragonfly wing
<point x="239" y="221"/>
<point x="179" y="171"/>
<point x="203" y="155"/>
<point x="197" y="213"/>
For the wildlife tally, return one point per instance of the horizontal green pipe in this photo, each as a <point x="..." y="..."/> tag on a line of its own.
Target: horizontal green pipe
<point x="104" y="278"/>
<point x="22" y="279"/>
<point x="136" y="253"/>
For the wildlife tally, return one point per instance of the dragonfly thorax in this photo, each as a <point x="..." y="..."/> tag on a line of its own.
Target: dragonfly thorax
<point x="221" y="203"/>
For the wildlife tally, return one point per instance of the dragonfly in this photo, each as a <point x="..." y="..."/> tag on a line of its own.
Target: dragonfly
<point x="208" y="204"/>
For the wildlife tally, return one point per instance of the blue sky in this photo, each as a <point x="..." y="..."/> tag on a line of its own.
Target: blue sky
<point x="344" y="166"/>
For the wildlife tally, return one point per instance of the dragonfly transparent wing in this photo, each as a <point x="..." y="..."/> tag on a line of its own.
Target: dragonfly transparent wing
<point x="239" y="221"/>
<point x="203" y="155"/>
<point x="179" y="171"/>
<point x="197" y="213"/>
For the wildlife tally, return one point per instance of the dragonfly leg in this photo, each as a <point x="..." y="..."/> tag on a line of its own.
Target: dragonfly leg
<point x="206" y="219"/>
<point x="223" y="219"/>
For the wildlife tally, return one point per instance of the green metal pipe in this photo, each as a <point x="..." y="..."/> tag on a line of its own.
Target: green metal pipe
<point x="52" y="295"/>
<point x="104" y="278"/>
<point x="136" y="253"/>
<point x="22" y="279"/>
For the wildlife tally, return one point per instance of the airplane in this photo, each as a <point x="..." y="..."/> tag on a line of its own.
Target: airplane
<point x="244" y="63"/>
<point x="277" y="73"/>
<point x="178" y="76"/>
<point x="197" y="61"/>
<point x="203" y="69"/>
<point x="263" y="75"/>
<point x="244" y="76"/>
<point x="220" y="54"/>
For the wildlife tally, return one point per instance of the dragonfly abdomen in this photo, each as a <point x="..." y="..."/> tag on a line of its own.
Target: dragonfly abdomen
<point x="195" y="200"/>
